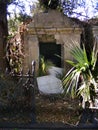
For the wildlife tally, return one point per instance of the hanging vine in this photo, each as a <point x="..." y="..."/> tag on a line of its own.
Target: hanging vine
<point x="15" y="49"/>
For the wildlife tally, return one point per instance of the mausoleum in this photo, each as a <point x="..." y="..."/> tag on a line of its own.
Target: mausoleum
<point x="51" y="35"/>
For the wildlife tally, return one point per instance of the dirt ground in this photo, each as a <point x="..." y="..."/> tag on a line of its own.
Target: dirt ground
<point x="57" y="109"/>
<point x="53" y="109"/>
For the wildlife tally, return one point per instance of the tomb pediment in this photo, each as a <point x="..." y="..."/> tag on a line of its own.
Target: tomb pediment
<point x="54" y="19"/>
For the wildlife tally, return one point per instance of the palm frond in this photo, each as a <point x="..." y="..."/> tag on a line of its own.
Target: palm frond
<point x="70" y="82"/>
<point x="82" y="68"/>
<point x="94" y="55"/>
<point x="80" y="56"/>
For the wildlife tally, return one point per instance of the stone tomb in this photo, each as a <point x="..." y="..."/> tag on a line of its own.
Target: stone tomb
<point x="51" y="30"/>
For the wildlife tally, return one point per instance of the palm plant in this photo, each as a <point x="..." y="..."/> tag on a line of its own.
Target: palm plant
<point x="81" y="79"/>
<point x="44" y="65"/>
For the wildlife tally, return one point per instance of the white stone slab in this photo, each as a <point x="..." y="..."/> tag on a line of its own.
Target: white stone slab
<point x="49" y="85"/>
<point x="55" y="71"/>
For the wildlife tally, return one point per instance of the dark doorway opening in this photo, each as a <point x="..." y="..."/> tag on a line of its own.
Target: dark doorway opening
<point x="51" y="52"/>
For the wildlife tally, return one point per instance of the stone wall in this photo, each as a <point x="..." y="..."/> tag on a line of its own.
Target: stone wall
<point x="51" y="27"/>
<point x="95" y="30"/>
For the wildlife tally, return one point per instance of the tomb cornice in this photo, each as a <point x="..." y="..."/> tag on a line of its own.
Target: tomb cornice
<point x="40" y="31"/>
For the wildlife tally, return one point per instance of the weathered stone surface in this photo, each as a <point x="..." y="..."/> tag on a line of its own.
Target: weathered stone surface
<point x="49" y="85"/>
<point x="95" y="30"/>
<point x="52" y="27"/>
<point x="52" y="18"/>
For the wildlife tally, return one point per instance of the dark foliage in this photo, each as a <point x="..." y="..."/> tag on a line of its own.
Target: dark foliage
<point x="52" y="4"/>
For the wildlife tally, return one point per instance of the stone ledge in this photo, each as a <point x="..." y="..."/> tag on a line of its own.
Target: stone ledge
<point x="38" y="31"/>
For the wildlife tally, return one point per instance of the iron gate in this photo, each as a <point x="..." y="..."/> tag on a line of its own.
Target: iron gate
<point x="20" y="99"/>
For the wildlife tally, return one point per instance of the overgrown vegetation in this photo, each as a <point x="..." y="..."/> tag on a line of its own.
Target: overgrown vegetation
<point x="81" y="80"/>
<point x="44" y="66"/>
<point x="52" y="4"/>
<point x="16" y="21"/>
<point x="15" y="54"/>
<point x="15" y="47"/>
